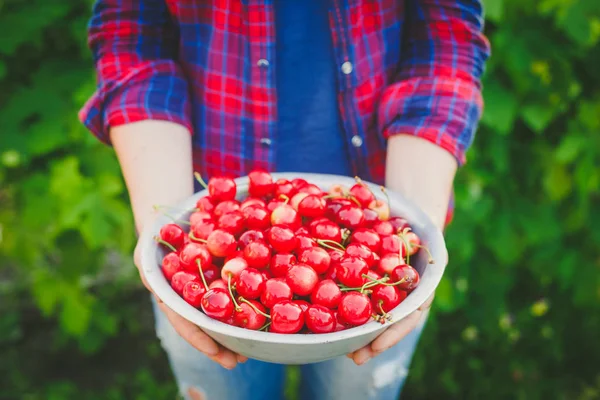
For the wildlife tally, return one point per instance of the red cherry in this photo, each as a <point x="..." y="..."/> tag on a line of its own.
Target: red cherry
<point x="373" y="275"/>
<point x="286" y="317"/>
<point x="399" y="224"/>
<point x="408" y="273"/>
<point x="363" y="194"/>
<point x="339" y="325"/>
<point x="199" y="217"/>
<point x="298" y="183"/>
<point x="281" y="263"/>
<point x="171" y="265"/>
<point x="303" y="231"/>
<point x="391" y="245"/>
<point x="381" y="208"/>
<point x="250" y="236"/>
<point x="319" y="319"/>
<point x="276" y="290"/>
<point x="312" y="206"/>
<point x="335" y="255"/>
<point x="355" y="308"/>
<point x="338" y="190"/>
<point x="266" y="274"/>
<point x="367" y="237"/>
<point x="413" y="242"/>
<point x="261" y="183"/>
<point x="388" y="263"/>
<point x="237" y="253"/>
<point x="302" y="279"/>
<point x="304" y="242"/>
<point x="285" y="188"/>
<point x="226" y="207"/>
<point x="218" y="283"/>
<point x="383" y="228"/>
<point x="311" y="225"/>
<point x="317" y="258"/>
<point x="181" y="278"/>
<point x="285" y="215"/>
<point x="282" y="239"/>
<point x="334" y="206"/>
<point x="217" y="304"/>
<point x="250" y="284"/>
<point x="257" y="254"/>
<point x="211" y="273"/>
<point x="371" y="218"/>
<point x="350" y="271"/>
<point x="193" y="292"/>
<point x="201" y="230"/>
<point x="331" y="273"/>
<point x="233" y="268"/>
<point x="247" y="317"/>
<point x="273" y="204"/>
<point x="358" y="250"/>
<point x="310" y="189"/>
<point x="326" y="293"/>
<point x="386" y="298"/>
<point x="303" y="304"/>
<point x="327" y="230"/>
<point x="257" y="217"/>
<point x="172" y="234"/>
<point x="192" y="252"/>
<point x="221" y="189"/>
<point x="252" y="201"/>
<point x="205" y="203"/>
<point x="296" y="199"/>
<point x="351" y="217"/>
<point x="233" y="222"/>
<point x="221" y="243"/>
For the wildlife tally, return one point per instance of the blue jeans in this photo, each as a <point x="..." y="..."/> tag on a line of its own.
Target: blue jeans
<point x="381" y="378"/>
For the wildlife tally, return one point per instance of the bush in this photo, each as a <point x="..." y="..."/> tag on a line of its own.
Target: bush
<point x="517" y="315"/>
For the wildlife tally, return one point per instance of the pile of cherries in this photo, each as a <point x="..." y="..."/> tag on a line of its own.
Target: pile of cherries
<point x="290" y="257"/>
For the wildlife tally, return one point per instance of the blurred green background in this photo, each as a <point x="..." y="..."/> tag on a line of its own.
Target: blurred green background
<point x="516" y="317"/>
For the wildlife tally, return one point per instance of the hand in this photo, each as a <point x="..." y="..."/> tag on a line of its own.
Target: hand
<point x="190" y="332"/>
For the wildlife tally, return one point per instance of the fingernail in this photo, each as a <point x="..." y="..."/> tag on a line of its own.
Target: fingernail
<point x="211" y="350"/>
<point x="363" y="362"/>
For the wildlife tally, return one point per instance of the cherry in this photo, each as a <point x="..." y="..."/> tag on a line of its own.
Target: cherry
<point x="261" y="183"/>
<point x="351" y="216"/>
<point x="221" y="189"/>
<point x="257" y="217"/>
<point x="282" y="239"/>
<point x="335" y="255"/>
<point x="286" y="317"/>
<point x="205" y="203"/>
<point x="414" y="242"/>
<point x="201" y="230"/>
<point x="285" y="188"/>
<point x="373" y="275"/>
<point x="367" y="237"/>
<point x="297" y="183"/>
<point x="217" y="304"/>
<point x="350" y="271"/>
<point x="363" y="194"/>
<point x="252" y="201"/>
<point x="358" y="250"/>
<point x="303" y="304"/>
<point x="296" y="199"/>
<point x="285" y="215"/>
<point x="381" y="208"/>
<point x="221" y="243"/>
<point x="339" y="325"/>
<point x="173" y="235"/>
<point x="257" y="254"/>
<point x="211" y="273"/>
<point x="317" y="258"/>
<point x="303" y="231"/>
<point x="326" y="293"/>
<point x="334" y="206"/>
<point x="266" y="274"/>
<point x="171" y="265"/>
<point x="310" y="189"/>
<point x="338" y="190"/>
<point x="281" y="263"/>
<point x="391" y="245"/>
<point x="247" y="317"/>
<point x="386" y="298"/>
<point x="250" y="236"/>
<point x="218" y="283"/>
<point x="327" y="230"/>
<point x="193" y="292"/>
<point x="181" y="278"/>
<point x="398" y="223"/>
<point x="311" y="225"/>
<point x="233" y="268"/>
<point x="226" y="207"/>
<point x="276" y="290"/>
<point x="371" y="217"/>
<point x="383" y="228"/>
<point x="192" y="252"/>
<point x="233" y="222"/>
<point x="250" y="283"/>
<point x="389" y="262"/>
<point x="407" y="274"/>
<point x="237" y="253"/>
<point x="331" y="273"/>
<point x="355" y="308"/>
<point x="273" y="204"/>
<point x="302" y="279"/>
<point x="312" y="206"/>
<point x="200" y="217"/>
<point x="319" y="319"/>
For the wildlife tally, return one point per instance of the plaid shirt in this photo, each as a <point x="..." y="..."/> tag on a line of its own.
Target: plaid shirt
<point x="405" y="67"/>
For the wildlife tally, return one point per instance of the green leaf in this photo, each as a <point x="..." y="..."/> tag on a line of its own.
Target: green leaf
<point x="557" y="182"/>
<point x="494" y="10"/>
<point x="76" y="311"/>
<point x="444" y="295"/>
<point x="537" y="116"/>
<point x="500" y="108"/>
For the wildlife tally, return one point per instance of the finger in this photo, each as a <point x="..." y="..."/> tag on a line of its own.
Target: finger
<point x="241" y="359"/>
<point x="226" y="357"/>
<point x="396" y="332"/>
<point x="363" y="355"/>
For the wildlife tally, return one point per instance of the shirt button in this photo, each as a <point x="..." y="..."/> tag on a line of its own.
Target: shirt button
<point x="347" y="67"/>
<point x="265" y="142"/>
<point x="357" y="141"/>
<point x="263" y="63"/>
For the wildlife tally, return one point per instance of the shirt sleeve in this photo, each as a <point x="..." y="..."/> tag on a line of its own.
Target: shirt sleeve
<point x="437" y="94"/>
<point x="133" y="44"/>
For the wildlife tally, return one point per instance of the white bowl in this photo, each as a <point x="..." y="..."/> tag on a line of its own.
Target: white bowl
<point x="300" y="348"/>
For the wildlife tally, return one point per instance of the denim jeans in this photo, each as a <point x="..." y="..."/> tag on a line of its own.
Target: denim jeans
<point x="381" y="378"/>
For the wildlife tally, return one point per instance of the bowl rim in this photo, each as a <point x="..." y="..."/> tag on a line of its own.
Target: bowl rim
<point x="150" y="267"/>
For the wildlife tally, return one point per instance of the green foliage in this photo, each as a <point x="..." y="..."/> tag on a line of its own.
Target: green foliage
<point x="518" y="313"/>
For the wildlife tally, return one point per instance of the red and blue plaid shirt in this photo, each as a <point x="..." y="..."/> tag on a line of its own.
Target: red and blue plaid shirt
<point x="405" y="67"/>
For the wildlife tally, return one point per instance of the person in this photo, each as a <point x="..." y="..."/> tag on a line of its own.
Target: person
<point x="388" y="90"/>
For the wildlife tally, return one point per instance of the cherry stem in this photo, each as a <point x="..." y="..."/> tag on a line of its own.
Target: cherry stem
<point x="285" y="198"/>
<point x="383" y="281"/>
<point x="360" y="182"/>
<point x="167" y="244"/>
<point x="406" y="246"/>
<point x="196" y="239"/>
<point x="366" y="286"/>
<point x="265" y="326"/>
<point x="235" y="303"/>
<point x="355" y="200"/>
<point x="430" y="260"/>
<point x="345" y="236"/>
<point x="387" y="197"/>
<point x="243" y="300"/>
<point x="200" y="180"/>
<point x="325" y="243"/>
<point x="202" y="274"/>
